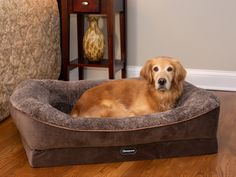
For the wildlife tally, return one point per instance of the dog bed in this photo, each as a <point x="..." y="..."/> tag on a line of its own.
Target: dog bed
<point x="51" y="137"/>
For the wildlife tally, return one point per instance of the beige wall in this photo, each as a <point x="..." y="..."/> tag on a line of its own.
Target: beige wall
<point x="202" y="33"/>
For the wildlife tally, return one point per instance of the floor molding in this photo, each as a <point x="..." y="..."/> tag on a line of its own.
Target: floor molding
<point x="207" y="79"/>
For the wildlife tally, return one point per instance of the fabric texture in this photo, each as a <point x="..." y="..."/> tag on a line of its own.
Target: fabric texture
<point x="29" y="44"/>
<point x="50" y="101"/>
<point x="40" y="111"/>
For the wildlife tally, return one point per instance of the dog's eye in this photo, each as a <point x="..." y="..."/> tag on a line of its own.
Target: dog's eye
<point x="156" y="69"/>
<point x="169" y="69"/>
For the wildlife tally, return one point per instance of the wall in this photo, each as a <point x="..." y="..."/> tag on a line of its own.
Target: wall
<point x="201" y="34"/>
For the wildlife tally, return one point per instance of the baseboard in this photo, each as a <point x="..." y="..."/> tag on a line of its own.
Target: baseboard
<point x="207" y="79"/>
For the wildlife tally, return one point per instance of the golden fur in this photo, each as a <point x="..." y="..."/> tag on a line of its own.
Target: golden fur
<point x="157" y="90"/>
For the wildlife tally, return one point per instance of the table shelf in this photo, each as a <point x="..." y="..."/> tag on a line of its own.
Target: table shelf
<point x="108" y="9"/>
<point x="101" y="64"/>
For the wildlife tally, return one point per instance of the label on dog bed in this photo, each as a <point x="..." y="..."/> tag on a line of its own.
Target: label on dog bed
<point x="128" y="151"/>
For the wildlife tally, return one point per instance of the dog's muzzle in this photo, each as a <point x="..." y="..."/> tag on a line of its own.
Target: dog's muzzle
<point x="162" y="84"/>
<point x="162" y="81"/>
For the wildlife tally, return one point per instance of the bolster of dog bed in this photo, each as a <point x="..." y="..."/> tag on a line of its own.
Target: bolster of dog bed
<point x="40" y="110"/>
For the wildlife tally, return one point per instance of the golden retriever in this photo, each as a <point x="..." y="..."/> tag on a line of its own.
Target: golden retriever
<point x="160" y="85"/>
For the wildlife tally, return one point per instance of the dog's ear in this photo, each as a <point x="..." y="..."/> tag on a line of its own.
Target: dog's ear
<point x="146" y="72"/>
<point x="180" y="72"/>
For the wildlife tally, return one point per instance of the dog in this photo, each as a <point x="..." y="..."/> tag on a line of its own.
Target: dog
<point x="157" y="90"/>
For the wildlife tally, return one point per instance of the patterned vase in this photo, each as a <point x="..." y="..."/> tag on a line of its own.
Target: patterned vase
<point x="93" y="41"/>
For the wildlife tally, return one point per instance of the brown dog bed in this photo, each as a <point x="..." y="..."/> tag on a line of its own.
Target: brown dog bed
<point x="51" y="137"/>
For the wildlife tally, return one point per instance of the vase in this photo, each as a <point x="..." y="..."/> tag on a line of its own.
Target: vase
<point x="93" y="41"/>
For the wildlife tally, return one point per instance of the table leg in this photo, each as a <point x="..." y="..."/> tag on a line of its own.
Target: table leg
<point x="110" y="36"/>
<point x="80" y="34"/>
<point x="123" y="43"/>
<point x="65" y="40"/>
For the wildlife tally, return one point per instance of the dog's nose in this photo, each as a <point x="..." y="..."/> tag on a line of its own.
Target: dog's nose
<point x="162" y="81"/>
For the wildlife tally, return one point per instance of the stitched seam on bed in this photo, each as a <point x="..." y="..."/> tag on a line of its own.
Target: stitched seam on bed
<point x="117" y="130"/>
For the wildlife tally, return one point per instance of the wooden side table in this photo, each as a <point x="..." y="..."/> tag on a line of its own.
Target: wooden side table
<point x="105" y="7"/>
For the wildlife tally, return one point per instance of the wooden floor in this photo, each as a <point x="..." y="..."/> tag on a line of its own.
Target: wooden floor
<point x="13" y="160"/>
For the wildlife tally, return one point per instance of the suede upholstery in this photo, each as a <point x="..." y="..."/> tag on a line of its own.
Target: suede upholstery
<point x="52" y="137"/>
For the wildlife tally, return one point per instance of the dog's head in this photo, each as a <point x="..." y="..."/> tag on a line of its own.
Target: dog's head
<point x="163" y="72"/>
